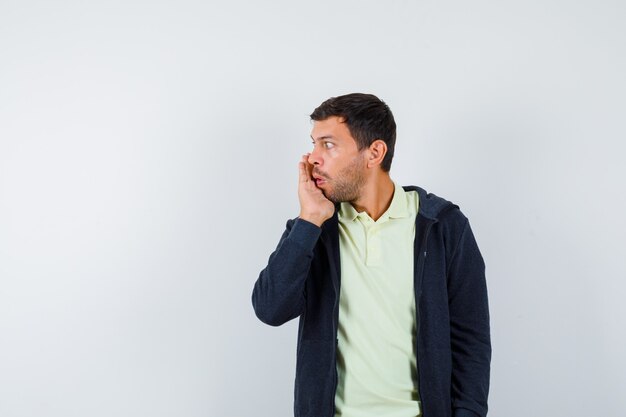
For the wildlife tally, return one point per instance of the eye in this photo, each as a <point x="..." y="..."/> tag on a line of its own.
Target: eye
<point x="329" y="145"/>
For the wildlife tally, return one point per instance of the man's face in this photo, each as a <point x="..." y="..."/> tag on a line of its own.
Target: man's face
<point x="338" y="165"/>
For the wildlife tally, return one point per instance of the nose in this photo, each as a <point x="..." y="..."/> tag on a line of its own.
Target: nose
<point x="314" y="157"/>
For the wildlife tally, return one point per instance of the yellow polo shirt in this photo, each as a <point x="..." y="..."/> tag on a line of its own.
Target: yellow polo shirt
<point x="376" y="362"/>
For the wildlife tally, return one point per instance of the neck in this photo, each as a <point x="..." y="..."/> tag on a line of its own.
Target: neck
<point x="376" y="195"/>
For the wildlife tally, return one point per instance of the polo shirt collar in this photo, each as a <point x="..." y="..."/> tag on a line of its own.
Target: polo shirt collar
<point x="397" y="209"/>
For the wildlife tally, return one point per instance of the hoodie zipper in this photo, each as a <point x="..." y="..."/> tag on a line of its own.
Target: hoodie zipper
<point x="421" y="260"/>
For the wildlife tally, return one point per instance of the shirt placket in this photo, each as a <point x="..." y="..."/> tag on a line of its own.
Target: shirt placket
<point x="372" y="241"/>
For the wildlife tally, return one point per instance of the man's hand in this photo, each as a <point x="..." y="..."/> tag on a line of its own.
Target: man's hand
<point x="314" y="206"/>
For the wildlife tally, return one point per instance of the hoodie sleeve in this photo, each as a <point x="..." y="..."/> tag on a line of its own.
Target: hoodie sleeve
<point x="469" y="327"/>
<point x="279" y="292"/>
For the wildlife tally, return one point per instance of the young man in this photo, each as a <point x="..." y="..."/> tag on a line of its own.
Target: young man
<point x="387" y="281"/>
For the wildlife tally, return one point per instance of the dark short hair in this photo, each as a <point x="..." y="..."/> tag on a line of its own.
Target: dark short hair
<point x="368" y="119"/>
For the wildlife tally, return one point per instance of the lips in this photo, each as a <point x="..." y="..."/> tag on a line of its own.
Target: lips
<point x="319" y="180"/>
<point x="318" y="177"/>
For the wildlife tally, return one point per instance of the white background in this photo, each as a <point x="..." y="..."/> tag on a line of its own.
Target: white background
<point x="148" y="163"/>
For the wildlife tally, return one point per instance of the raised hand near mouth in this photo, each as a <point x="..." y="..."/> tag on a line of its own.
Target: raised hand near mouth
<point x="314" y="206"/>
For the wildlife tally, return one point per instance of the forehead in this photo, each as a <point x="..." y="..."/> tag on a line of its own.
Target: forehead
<point x="333" y="127"/>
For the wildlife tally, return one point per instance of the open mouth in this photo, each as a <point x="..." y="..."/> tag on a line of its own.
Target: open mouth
<point x="319" y="180"/>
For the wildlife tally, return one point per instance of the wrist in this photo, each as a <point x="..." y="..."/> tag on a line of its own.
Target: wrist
<point x="312" y="218"/>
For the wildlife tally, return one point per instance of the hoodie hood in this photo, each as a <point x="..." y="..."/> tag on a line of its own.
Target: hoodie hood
<point x="430" y="205"/>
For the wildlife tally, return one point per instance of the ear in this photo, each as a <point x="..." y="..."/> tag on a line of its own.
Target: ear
<point x="376" y="153"/>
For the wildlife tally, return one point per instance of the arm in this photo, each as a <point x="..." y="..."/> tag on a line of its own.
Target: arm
<point x="469" y="328"/>
<point x="278" y="294"/>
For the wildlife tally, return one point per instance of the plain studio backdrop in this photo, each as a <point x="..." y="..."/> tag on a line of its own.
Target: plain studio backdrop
<point x="148" y="164"/>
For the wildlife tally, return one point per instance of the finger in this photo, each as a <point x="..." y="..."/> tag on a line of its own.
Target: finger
<point x="304" y="177"/>
<point x="309" y="167"/>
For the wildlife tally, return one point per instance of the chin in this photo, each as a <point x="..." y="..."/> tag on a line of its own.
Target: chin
<point x="328" y="196"/>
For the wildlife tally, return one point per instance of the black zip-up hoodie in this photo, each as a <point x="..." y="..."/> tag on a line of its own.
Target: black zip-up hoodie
<point x="302" y="278"/>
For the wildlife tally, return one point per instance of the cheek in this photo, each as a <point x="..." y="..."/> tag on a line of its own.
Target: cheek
<point x="330" y="159"/>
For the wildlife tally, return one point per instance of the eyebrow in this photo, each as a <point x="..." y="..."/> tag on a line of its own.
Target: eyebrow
<point x="323" y="137"/>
